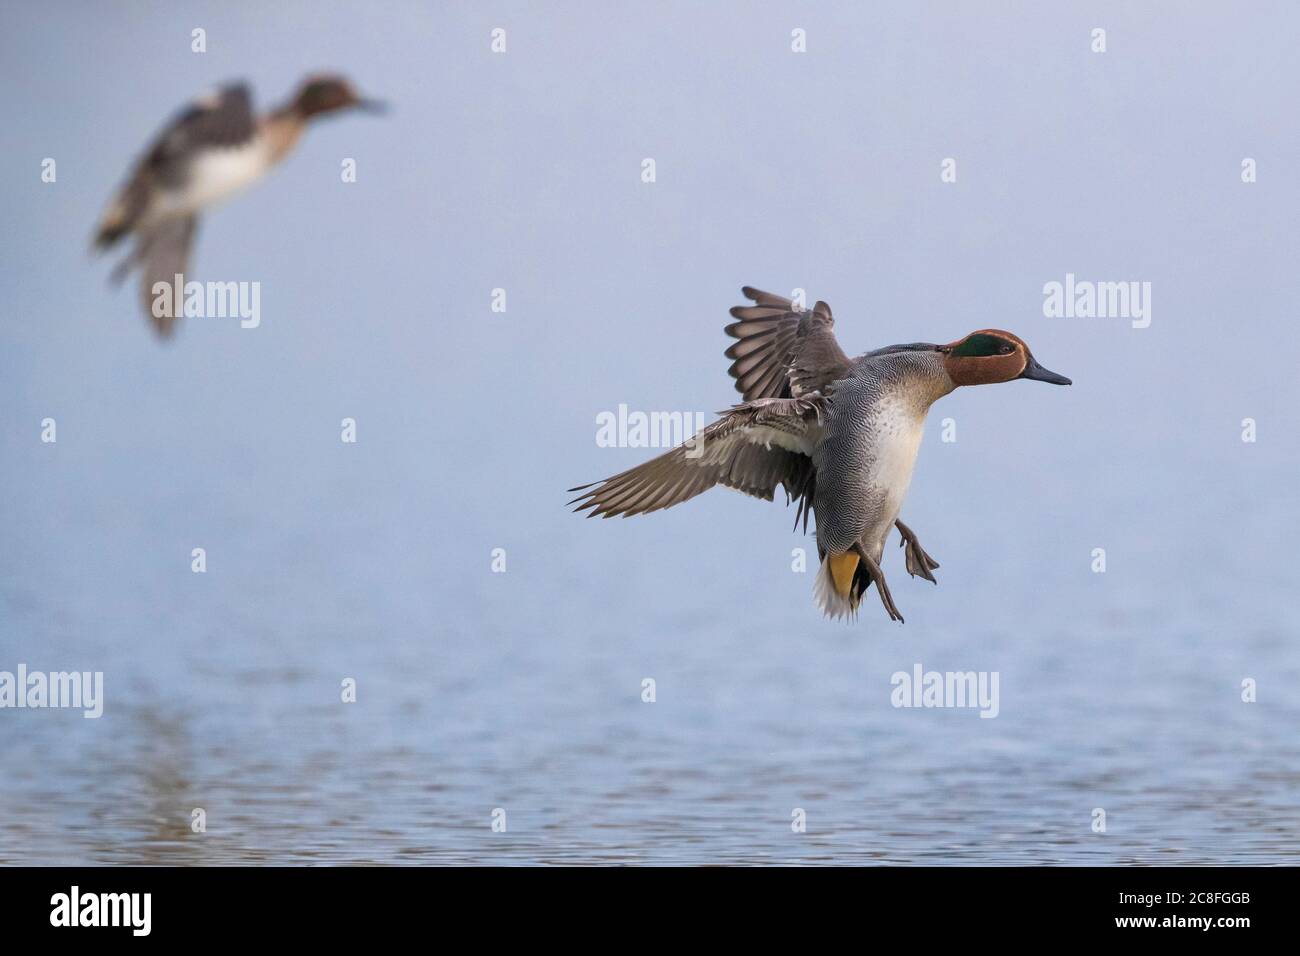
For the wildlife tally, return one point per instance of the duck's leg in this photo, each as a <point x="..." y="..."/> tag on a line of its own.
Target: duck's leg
<point x="918" y="562"/>
<point x="874" y="572"/>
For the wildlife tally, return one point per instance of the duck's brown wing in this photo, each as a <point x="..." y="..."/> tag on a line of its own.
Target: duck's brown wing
<point x="754" y="448"/>
<point x="223" y="119"/>
<point x="781" y="353"/>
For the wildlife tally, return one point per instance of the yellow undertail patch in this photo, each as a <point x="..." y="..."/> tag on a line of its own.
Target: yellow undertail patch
<point x="843" y="567"/>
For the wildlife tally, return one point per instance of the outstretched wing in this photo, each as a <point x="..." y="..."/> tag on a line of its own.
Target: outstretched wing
<point x="164" y="253"/>
<point x="782" y="353"/>
<point x="224" y="118"/>
<point x="753" y="448"/>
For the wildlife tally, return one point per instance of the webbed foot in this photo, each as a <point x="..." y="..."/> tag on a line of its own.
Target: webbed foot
<point x="918" y="562"/>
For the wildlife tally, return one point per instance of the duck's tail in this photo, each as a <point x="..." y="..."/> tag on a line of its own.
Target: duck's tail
<point x="839" y="585"/>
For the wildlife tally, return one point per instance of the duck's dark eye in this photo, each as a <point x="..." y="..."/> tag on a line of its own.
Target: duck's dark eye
<point x="1005" y="349"/>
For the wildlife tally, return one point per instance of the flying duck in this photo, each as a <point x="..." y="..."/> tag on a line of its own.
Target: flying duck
<point x="839" y="435"/>
<point x="213" y="149"/>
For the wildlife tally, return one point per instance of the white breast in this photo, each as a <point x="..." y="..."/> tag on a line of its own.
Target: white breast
<point x="899" y="426"/>
<point x="218" y="174"/>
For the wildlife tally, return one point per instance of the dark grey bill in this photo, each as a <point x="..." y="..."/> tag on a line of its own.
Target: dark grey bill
<point x="367" y="105"/>
<point x="1039" y="374"/>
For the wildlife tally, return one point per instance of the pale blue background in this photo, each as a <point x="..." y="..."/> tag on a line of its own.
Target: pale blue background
<point x="522" y="690"/>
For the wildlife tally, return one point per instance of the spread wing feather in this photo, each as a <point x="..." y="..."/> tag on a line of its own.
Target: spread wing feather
<point x="754" y="447"/>
<point x="780" y="352"/>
